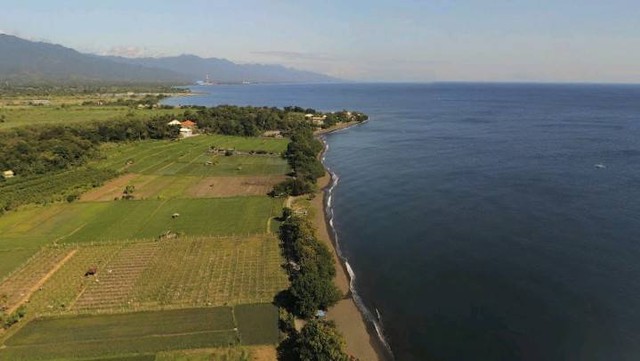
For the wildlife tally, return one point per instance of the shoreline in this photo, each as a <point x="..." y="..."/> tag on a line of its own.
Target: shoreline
<point x="363" y="334"/>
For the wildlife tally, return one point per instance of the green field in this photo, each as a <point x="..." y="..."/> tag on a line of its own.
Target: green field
<point x="141" y="332"/>
<point x="126" y="220"/>
<point x="189" y="156"/>
<point x="33" y="115"/>
<point x="153" y="267"/>
<point x="136" y="276"/>
<point x="254" y="322"/>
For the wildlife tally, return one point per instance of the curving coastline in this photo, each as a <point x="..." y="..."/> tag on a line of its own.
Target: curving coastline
<point x="363" y="331"/>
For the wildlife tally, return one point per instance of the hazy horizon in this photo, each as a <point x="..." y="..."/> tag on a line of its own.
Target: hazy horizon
<point x="565" y="41"/>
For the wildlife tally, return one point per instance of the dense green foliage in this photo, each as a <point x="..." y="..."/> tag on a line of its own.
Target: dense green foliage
<point x="320" y="341"/>
<point x="48" y="188"/>
<point x="244" y="121"/>
<point x="343" y="117"/>
<point x="312" y="267"/>
<point x="293" y="187"/>
<point x="302" y="155"/>
<point x="45" y="149"/>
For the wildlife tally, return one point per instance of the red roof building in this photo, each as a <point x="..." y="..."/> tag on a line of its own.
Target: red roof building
<point x="187" y="124"/>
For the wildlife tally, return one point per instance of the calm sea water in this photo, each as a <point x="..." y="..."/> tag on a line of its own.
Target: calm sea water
<point x="486" y="222"/>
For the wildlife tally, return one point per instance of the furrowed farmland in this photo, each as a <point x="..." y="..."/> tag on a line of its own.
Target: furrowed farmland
<point x="140" y="332"/>
<point x="176" y="252"/>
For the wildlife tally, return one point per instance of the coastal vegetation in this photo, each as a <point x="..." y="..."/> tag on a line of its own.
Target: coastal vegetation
<point x="320" y="341"/>
<point x="311" y="267"/>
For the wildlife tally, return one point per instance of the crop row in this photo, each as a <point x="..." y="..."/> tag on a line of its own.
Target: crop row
<point x="51" y="187"/>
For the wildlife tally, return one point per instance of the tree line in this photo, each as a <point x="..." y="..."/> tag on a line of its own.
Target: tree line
<point x="311" y="269"/>
<point x="302" y="155"/>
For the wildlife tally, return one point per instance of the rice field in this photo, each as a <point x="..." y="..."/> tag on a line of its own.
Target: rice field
<point x="190" y="156"/>
<point x="138" y="333"/>
<point x="87" y="222"/>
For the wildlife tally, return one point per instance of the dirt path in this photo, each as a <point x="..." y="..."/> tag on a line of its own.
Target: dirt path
<point x="41" y="282"/>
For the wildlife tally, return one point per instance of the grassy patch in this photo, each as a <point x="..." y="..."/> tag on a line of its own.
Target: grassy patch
<point x="126" y="325"/>
<point x="225" y="354"/>
<point x="107" y="221"/>
<point x="32" y="115"/>
<point x="12" y="259"/>
<point x="142" y="333"/>
<point x="190" y="156"/>
<point x="254" y="320"/>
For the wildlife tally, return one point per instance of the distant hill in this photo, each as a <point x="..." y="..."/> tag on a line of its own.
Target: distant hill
<point x="27" y="62"/>
<point x="24" y="61"/>
<point x="224" y="71"/>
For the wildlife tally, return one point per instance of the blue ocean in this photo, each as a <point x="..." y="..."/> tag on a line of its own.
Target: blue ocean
<point x="485" y="221"/>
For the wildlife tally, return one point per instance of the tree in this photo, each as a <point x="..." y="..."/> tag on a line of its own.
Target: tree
<point x="312" y="292"/>
<point x="320" y="341"/>
<point x="128" y="192"/>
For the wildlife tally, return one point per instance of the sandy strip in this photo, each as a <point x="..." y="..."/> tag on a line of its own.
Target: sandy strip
<point x="360" y="337"/>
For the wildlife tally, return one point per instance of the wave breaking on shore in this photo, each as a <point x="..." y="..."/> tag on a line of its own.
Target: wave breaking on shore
<point x="374" y="320"/>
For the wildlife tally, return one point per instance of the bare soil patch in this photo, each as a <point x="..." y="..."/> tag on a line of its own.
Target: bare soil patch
<point x="263" y="353"/>
<point x="109" y="190"/>
<point x="233" y="186"/>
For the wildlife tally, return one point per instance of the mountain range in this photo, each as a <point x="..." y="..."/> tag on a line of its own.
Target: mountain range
<point x="28" y="62"/>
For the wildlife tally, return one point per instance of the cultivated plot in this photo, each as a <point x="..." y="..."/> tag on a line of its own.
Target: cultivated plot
<point x="189" y="156"/>
<point x="126" y="220"/>
<point x="140" y="333"/>
<point x="165" y="187"/>
<point x="152" y="275"/>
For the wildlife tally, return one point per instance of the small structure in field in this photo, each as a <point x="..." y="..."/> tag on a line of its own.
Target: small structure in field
<point x="91" y="271"/>
<point x="168" y="235"/>
<point x="8" y="174"/>
<point x="186" y="128"/>
<point x="174" y="122"/>
<point x="175" y="215"/>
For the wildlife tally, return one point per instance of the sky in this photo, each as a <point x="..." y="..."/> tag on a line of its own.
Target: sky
<point x="361" y="40"/>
